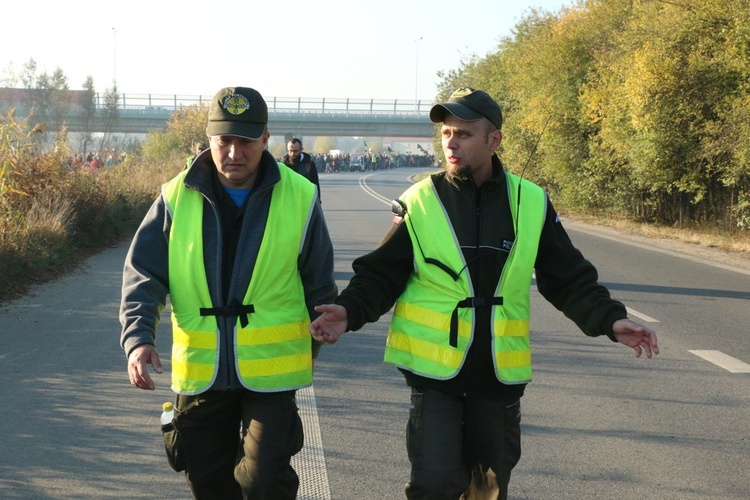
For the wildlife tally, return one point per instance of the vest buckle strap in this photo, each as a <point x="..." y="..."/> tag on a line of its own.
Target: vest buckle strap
<point x="480" y="302"/>
<point x="234" y="308"/>
<point x="470" y="302"/>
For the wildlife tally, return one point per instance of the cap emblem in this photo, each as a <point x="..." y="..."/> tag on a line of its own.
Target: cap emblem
<point x="462" y="92"/>
<point x="236" y="104"/>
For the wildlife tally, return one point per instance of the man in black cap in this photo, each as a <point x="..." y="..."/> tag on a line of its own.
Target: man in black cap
<point x="458" y="265"/>
<point x="239" y="244"/>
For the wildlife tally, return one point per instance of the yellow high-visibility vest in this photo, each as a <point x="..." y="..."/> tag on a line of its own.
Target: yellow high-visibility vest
<point x="273" y="348"/>
<point x="434" y="303"/>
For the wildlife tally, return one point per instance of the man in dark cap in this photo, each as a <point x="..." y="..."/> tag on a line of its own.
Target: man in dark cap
<point x="458" y="265"/>
<point x="239" y="244"/>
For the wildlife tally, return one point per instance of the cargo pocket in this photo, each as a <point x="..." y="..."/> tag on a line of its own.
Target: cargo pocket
<point x="173" y="446"/>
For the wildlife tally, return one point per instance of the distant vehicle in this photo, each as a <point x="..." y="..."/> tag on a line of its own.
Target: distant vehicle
<point x="155" y="109"/>
<point x="356" y="162"/>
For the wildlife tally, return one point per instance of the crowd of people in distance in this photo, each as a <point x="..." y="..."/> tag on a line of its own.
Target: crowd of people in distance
<point x="333" y="163"/>
<point x="94" y="161"/>
<point x="325" y="163"/>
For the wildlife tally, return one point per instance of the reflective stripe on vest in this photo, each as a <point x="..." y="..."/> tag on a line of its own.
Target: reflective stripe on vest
<point x="419" y="335"/>
<point x="273" y="350"/>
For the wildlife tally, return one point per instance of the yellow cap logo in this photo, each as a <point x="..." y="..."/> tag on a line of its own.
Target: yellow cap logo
<point x="462" y="92"/>
<point x="236" y="104"/>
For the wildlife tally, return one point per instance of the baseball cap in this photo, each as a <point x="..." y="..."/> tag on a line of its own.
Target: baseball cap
<point x="237" y="111"/>
<point x="469" y="105"/>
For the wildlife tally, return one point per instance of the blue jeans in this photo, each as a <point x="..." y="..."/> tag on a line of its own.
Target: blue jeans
<point x="449" y="437"/>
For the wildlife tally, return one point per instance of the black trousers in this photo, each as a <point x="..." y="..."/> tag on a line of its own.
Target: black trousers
<point x="449" y="437"/>
<point x="220" y="463"/>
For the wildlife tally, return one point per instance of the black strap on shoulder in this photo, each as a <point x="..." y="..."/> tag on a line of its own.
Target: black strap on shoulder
<point x="234" y="308"/>
<point x="470" y="302"/>
<point x="448" y="270"/>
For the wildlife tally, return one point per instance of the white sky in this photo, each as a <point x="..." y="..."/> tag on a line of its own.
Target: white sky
<point x="293" y="48"/>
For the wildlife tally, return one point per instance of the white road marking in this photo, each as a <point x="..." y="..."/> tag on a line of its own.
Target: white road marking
<point x="367" y="189"/>
<point x="644" y="317"/>
<point x="310" y="462"/>
<point x="732" y="365"/>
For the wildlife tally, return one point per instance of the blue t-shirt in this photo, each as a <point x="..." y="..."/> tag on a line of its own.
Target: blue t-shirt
<point x="238" y="195"/>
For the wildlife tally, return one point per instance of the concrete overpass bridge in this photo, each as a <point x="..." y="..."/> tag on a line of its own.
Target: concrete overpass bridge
<point x="298" y="116"/>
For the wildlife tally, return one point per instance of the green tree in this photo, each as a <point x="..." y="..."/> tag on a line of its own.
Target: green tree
<point x="278" y="148"/>
<point x="48" y="97"/>
<point x="87" y="110"/>
<point x="644" y="106"/>
<point x="28" y="74"/>
<point x="8" y="78"/>
<point x="58" y="99"/>
<point x="660" y="97"/>
<point x="111" y="114"/>
<point x="185" y="128"/>
<point x="323" y="144"/>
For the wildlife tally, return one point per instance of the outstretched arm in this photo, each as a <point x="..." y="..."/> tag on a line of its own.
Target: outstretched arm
<point x="636" y="336"/>
<point x="331" y="324"/>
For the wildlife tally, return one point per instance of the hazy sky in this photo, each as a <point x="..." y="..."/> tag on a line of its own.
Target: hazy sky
<point x="313" y="48"/>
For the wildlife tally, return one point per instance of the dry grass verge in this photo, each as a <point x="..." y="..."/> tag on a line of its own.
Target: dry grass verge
<point x="700" y="236"/>
<point x="66" y="222"/>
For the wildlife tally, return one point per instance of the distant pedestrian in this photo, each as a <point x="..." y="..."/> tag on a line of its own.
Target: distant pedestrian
<point x="301" y="162"/>
<point x="198" y="149"/>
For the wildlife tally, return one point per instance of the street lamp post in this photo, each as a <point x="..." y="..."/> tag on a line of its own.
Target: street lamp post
<point x="114" y="48"/>
<point x="416" y="75"/>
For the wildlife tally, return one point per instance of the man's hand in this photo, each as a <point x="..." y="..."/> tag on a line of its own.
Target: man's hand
<point x="637" y="336"/>
<point x="329" y="326"/>
<point x="138" y="362"/>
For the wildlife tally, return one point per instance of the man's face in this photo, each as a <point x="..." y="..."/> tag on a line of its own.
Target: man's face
<point x="294" y="149"/>
<point x="237" y="158"/>
<point x="468" y="147"/>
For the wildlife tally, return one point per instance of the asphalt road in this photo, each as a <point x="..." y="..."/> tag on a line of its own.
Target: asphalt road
<point x="597" y="422"/>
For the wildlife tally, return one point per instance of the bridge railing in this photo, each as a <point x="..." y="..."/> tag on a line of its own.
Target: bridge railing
<point x="305" y="105"/>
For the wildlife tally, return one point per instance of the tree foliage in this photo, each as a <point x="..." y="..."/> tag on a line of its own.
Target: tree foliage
<point x="638" y="107"/>
<point x="88" y="113"/>
<point x="185" y="128"/>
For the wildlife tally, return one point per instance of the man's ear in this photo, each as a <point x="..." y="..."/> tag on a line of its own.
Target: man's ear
<point x="496" y="138"/>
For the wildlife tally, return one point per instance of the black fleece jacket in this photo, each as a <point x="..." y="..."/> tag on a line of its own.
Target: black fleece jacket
<point x="483" y="223"/>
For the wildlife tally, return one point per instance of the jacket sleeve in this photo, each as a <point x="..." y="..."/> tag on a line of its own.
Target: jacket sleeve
<point x="569" y="281"/>
<point x="315" y="265"/>
<point x="145" y="282"/>
<point x="314" y="177"/>
<point x="379" y="279"/>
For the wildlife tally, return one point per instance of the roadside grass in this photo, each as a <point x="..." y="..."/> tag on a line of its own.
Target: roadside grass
<point x="48" y="228"/>
<point x="705" y="236"/>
